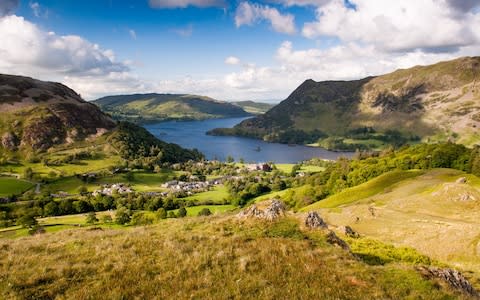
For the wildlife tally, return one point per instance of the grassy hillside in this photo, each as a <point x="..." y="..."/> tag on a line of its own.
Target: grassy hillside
<point x="255" y="108"/>
<point x="216" y="257"/>
<point x="142" y="108"/>
<point x="430" y="103"/>
<point x="423" y="210"/>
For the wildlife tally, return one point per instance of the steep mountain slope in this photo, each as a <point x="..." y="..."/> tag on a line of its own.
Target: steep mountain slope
<point x="436" y="102"/>
<point x="37" y="116"/>
<point x="143" y="108"/>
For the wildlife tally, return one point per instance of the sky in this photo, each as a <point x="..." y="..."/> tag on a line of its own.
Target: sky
<point x="228" y="50"/>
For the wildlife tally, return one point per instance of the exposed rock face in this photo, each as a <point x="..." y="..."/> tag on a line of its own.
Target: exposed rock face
<point x="39" y="114"/>
<point x="273" y="209"/>
<point x="461" y="180"/>
<point x="10" y="141"/>
<point x="348" y="231"/>
<point x="313" y="221"/>
<point x="333" y="239"/>
<point x="454" y="278"/>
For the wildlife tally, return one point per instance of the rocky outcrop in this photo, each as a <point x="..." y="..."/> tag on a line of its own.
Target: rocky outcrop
<point x="269" y="210"/>
<point x="333" y="239"/>
<point x="452" y="277"/>
<point x="348" y="231"/>
<point x="10" y="141"/>
<point x="314" y="221"/>
<point x="461" y="180"/>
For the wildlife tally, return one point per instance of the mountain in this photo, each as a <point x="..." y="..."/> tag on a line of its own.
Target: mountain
<point x="255" y="108"/>
<point x="143" y="108"/>
<point x="430" y="103"/>
<point x="38" y="116"/>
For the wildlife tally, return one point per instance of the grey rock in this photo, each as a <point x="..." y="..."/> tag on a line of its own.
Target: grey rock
<point x="452" y="277"/>
<point x="313" y="221"/>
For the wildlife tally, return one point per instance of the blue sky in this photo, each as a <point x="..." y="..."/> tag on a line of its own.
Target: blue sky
<point x="236" y="50"/>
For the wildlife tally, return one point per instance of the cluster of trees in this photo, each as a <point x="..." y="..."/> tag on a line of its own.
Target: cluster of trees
<point x="135" y="142"/>
<point x="254" y="184"/>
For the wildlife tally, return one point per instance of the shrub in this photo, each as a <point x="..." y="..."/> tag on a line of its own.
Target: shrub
<point x="122" y="216"/>
<point x="91" y="218"/>
<point x="161" y="213"/>
<point x="204" y="212"/>
<point x="182" y="212"/>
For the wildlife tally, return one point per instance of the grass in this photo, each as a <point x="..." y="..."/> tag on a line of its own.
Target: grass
<point x="217" y="195"/>
<point x="287" y="168"/>
<point x="192" y="211"/>
<point x="12" y="186"/>
<point x="191" y="258"/>
<point x="424" y="212"/>
<point x="365" y="190"/>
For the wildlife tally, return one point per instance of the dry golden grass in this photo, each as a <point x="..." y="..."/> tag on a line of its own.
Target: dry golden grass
<point x="200" y="258"/>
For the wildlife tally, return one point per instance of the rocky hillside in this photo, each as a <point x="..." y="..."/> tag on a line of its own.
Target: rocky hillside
<point x="143" y="108"/>
<point x="39" y="115"/>
<point x="432" y="103"/>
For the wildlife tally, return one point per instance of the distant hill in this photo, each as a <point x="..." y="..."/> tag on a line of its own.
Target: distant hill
<point x="37" y="116"/>
<point x="255" y="108"/>
<point x="143" y="108"/>
<point x="430" y="103"/>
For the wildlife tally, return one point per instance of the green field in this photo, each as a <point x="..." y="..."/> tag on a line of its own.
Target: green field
<point x="217" y="195"/>
<point x="287" y="168"/>
<point x="12" y="186"/>
<point x="367" y="189"/>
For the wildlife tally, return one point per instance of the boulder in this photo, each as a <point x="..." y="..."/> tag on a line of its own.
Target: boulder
<point x="348" y="231"/>
<point x="313" y="221"/>
<point x="452" y="277"/>
<point x="461" y="180"/>
<point x="272" y="209"/>
<point x="333" y="239"/>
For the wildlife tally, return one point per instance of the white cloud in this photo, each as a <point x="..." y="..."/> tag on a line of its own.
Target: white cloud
<point x="28" y="50"/>
<point x="132" y="33"/>
<point x="248" y="14"/>
<point x="433" y="25"/>
<point x="232" y="60"/>
<point x="8" y="7"/>
<point x="169" y="4"/>
<point x="35" y="8"/>
<point x="184" y="32"/>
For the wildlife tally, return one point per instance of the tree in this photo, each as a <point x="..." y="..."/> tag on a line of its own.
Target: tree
<point x="107" y="219"/>
<point x="140" y="218"/>
<point x="28" y="173"/>
<point x="171" y="214"/>
<point x="27" y="221"/>
<point x="91" y="218"/>
<point x="122" y="215"/>
<point x="230" y="159"/>
<point x="161" y="213"/>
<point x="182" y="212"/>
<point x="51" y="209"/>
<point x="204" y="212"/>
<point x="129" y="176"/>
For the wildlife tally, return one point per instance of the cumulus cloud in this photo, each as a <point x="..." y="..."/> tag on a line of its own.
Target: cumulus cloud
<point x="232" y="60"/>
<point x="250" y="13"/>
<point x="28" y="50"/>
<point x="169" y="4"/>
<point x="8" y="7"/>
<point x="399" y="25"/>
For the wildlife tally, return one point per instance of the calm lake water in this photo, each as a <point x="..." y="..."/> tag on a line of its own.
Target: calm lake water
<point x="192" y="134"/>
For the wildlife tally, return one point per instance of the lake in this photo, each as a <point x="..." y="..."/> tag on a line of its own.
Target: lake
<point x="192" y="134"/>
